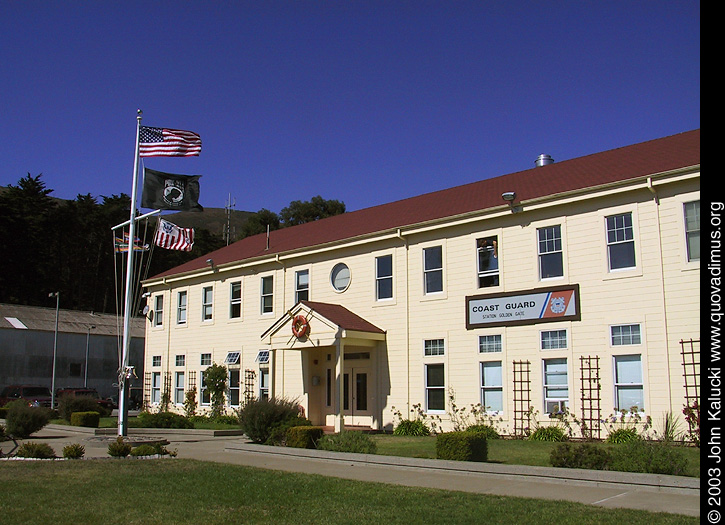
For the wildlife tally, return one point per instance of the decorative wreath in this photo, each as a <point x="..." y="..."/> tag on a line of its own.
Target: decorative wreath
<point x="300" y="326"/>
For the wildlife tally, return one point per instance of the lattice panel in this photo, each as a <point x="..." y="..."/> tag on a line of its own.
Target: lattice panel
<point x="522" y="397"/>
<point x="591" y="402"/>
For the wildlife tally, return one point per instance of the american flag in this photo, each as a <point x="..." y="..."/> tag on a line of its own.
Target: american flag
<point x="164" y="142"/>
<point x="172" y="237"/>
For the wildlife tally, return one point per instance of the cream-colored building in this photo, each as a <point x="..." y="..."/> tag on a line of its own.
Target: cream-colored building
<point x="572" y="284"/>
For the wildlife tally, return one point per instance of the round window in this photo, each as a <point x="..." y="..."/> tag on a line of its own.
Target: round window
<point x="340" y="277"/>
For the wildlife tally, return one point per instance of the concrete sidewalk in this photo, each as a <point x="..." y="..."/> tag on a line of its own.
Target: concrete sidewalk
<point x="657" y="493"/>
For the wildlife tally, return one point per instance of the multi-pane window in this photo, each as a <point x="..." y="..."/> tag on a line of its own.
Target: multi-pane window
<point x="435" y="388"/>
<point x="267" y="295"/>
<point x="556" y="386"/>
<point x="488" y="269"/>
<point x="204" y="394"/>
<point x="156" y="387"/>
<point x="156" y="360"/>
<point x="384" y="277"/>
<point x="180" y="360"/>
<point x="158" y="310"/>
<point x="433" y="347"/>
<point x="492" y="386"/>
<point x="628" y="387"/>
<point x="234" y="387"/>
<point x="205" y="359"/>
<point x="179" y="388"/>
<point x="489" y="344"/>
<point x="207" y="303"/>
<point x="235" y="300"/>
<point x="181" y="302"/>
<point x="232" y="358"/>
<point x="553" y="340"/>
<point x="626" y="334"/>
<point x="264" y="383"/>
<point x="620" y="241"/>
<point x="692" y="230"/>
<point x="433" y="269"/>
<point x="551" y="260"/>
<point x="262" y="356"/>
<point x="302" y="286"/>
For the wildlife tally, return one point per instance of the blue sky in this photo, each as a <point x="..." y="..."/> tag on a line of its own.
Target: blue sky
<point x="361" y="101"/>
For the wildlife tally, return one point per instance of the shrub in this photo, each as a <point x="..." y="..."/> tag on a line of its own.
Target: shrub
<point x="259" y="417"/>
<point x="74" y="451"/>
<point x="3" y="412"/>
<point x="85" y="419"/>
<point x="462" y="446"/>
<point x="623" y="435"/>
<point x="411" y="427"/>
<point x="648" y="456"/>
<point x="143" y="450"/>
<point x="3" y="435"/>
<point x="35" y="450"/>
<point x="348" y="441"/>
<point x="164" y="420"/>
<point x="304" y="436"/>
<point x="488" y="430"/>
<point x="22" y="420"/>
<point x="226" y="420"/>
<point x="69" y="404"/>
<point x="586" y="455"/>
<point x="190" y="403"/>
<point x="278" y="432"/>
<point x="692" y="417"/>
<point x="118" y="448"/>
<point x="550" y="433"/>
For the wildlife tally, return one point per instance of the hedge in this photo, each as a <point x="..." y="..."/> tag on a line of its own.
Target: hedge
<point x="462" y="446"/>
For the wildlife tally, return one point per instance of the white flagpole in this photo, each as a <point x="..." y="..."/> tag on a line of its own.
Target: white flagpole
<point x="125" y="372"/>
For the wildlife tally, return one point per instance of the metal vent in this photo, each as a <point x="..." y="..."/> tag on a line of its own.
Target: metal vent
<point x="544" y="159"/>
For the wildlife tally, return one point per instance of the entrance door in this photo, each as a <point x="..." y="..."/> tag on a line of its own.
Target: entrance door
<point x="356" y="405"/>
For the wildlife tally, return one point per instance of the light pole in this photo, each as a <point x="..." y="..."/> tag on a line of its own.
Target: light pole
<point x="55" y="346"/>
<point x="88" y="338"/>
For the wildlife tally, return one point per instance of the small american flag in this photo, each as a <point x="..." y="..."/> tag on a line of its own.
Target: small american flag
<point x="164" y="142"/>
<point x="172" y="237"/>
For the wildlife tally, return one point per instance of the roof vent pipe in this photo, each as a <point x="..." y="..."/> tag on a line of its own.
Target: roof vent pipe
<point x="543" y="160"/>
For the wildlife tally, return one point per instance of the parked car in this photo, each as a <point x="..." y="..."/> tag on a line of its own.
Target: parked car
<point x="35" y="395"/>
<point x="87" y="392"/>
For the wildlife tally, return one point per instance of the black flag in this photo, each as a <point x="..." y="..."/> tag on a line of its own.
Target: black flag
<point x="166" y="191"/>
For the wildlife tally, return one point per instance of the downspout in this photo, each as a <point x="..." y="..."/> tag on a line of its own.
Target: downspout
<point x="653" y="191"/>
<point x="407" y="318"/>
<point x="284" y="308"/>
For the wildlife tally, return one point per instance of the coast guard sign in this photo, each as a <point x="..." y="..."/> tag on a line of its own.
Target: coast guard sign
<point x="526" y="307"/>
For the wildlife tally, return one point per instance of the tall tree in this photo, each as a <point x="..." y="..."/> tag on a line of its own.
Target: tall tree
<point x="300" y="212"/>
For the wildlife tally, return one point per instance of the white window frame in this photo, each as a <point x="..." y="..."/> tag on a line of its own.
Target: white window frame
<point x="264" y="381"/>
<point x="488" y="244"/>
<point x="550" y="387"/>
<point x="302" y="289"/>
<point x="235" y="300"/>
<point x="381" y="279"/>
<point x="627" y="334"/>
<point x="692" y="229"/>
<point x="620" y="385"/>
<point x="205" y="359"/>
<point x="204" y="391"/>
<point x="262" y="356"/>
<point x="554" y="339"/>
<point x="434" y="347"/>
<point x="182" y="305"/>
<point x="266" y="296"/>
<point x="491" y="388"/>
<point x="207" y="304"/>
<point x="429" y="389"/>
<point x="232" y="358"/>
<point x="490" y="344"/>
<point x="620" y="232"/>
<point x="235" y="389"/>
<point x="550" y="246"/>
<point x="431" y="270"/>
<point x="158" y="310"/>
<point x="180" y="360"/>
<point x="155" y="388"/>
<point x="179" y="382"/>
<point x="156" y="360"/>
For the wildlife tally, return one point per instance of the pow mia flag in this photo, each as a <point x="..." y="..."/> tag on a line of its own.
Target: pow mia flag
<point x="166" y="191"/>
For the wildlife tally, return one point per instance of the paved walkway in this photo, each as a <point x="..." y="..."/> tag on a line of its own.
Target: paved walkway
<point x="651" y="492"/>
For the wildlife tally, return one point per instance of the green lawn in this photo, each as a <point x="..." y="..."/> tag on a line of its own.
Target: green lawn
<point x="506" y="451"/>
<point x="180" y="491"/>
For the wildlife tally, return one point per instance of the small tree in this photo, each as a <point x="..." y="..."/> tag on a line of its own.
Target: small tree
<point x="190" y="403"/>
<point x="215" y="378"/>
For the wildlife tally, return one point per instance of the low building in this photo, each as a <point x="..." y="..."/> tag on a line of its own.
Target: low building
<point x="573" y="285"/>
<point x="87" y="348"/>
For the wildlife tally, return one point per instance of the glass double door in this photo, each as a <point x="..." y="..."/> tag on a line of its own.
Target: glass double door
<point x="356" y="402"/>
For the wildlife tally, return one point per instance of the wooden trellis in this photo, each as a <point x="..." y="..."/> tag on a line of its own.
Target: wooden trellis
<point x="146" y="391"/>
<point x="522" y="397"/>
<point x="690" y="350"/>
<point x="249" y="381"/>
<point x="591" y="397"/>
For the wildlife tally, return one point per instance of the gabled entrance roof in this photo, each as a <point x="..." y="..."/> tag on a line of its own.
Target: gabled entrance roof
<point x="328" y="322"/>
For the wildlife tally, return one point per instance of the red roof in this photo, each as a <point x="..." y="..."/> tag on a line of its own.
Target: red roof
<point x="621" y="164"/>
<point x="342" y="317"/>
